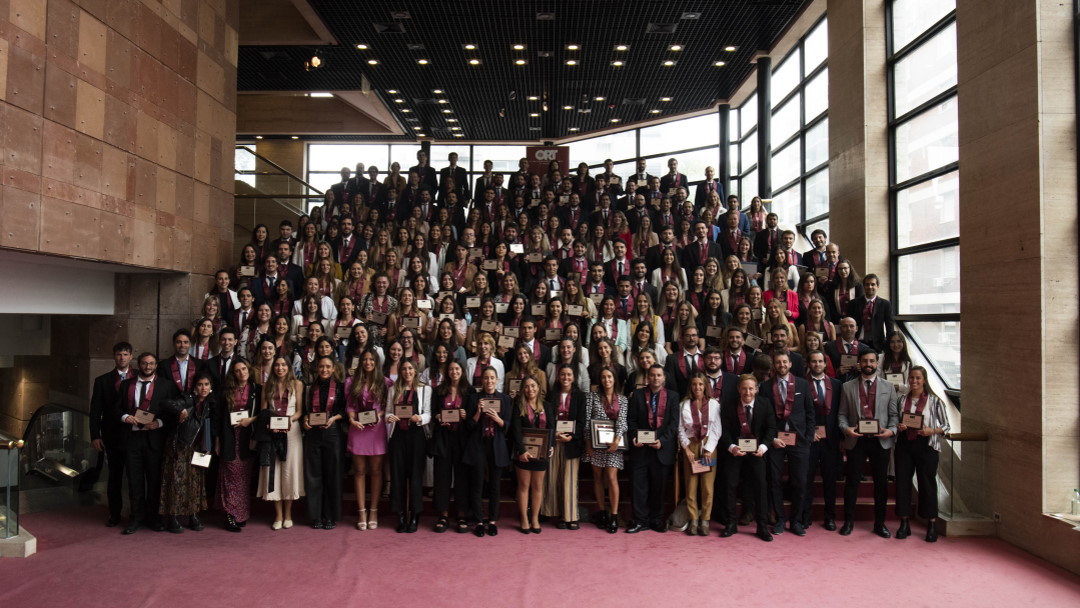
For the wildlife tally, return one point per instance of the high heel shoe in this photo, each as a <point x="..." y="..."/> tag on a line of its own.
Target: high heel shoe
<point x="602" y="520"/>
<point x="613" y="525"/>
<point x="361" y="520"/>
<point x="373" y="519"/>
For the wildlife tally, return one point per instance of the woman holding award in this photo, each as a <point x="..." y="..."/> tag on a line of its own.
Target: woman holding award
<point x="233" y="419"/>
<point x="365" y="394"/>
<point x="531" y="432"/>
<point x="561" y="495"/>
<point x="324" y="407"/>
<point x="408" y="410"/>
<point x="607" y="406"/>
<point x="449" y="437"/>
<point x="923" y="422"/>
<point x="699" y="433"/>
<point x="488" y="412"/>
<point x="281" y="480"/>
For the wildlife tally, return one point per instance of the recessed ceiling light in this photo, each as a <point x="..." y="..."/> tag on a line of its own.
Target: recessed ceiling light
<point x="422" y="61"/>
<point x="719" y="64"/>
<point x="573" y="128"/>
<point x="654" y="111"/>
<point x="443" y="101"/>
<point x="458" y="135"/>
<point x="533" y="98"/>
<point x="258" y="137"/>
<point x="470" y="47"/>
<point x="474" y="62"/>
<point x="621" y="47"/>
<point x="418" y="128"/>
<point x="447" y="111"/>
<point x="568" y="107"/>
<point x="669" y="63"/>
<point x="421" y="135"/>
<point x="534" y="115"/>
<point x="373" y="62"/>
<point x="675" y="47"/>
<point x="406" y="110"/>
<point x="451" y="120"/>
<point x="520" y="62"/>
<point x="296" y="137"/>
<point x="399" y="100"/>
<point x="362" y="47"/>
<point x="665" y="99"/>
<point x="572" y="47"/>
<point x="455" y="128"/>
<point x="437" y="91"/>
<point x="614" y="120"/>
<point x="320" y="94"/>
<point x="617" y="64"/>
<point x="571" y="62"/>
<point x="730" y="49"/>
<point x="600" y="98"/>
<point x="519" y="47"/>
<point x="392" y="91"/>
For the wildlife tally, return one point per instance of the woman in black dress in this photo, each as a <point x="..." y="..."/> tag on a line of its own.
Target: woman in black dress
<point x="531" y="414"/>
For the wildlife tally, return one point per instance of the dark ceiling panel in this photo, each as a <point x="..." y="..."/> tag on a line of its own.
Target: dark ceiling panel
<point x="476" y="94"/>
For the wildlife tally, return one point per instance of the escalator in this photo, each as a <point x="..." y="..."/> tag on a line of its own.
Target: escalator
<point x="58" y="465"/>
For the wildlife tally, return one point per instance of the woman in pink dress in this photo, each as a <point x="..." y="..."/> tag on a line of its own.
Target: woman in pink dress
<point x="365" y="392"/>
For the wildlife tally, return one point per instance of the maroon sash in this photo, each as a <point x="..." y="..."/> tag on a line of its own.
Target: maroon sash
<point x="145" y="404"/>
<point x="315" y="407"/>
<point x="661" y="407"/>
<point x="682" y="363"/>
<point x="823" y="409"/>
<point x="563" y="413"/>
<point x="740" y="363"/>
<point x="174" y="367"/>
<point x="784" y="405"/>
<point x="700" y="418"/>
<point x="744" y="423"/>
<point x="866" y="400"/>
<point x="920" y="405"/>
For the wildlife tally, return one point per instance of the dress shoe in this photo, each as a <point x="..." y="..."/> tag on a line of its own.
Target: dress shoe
<point x="772" y="518"/>
<point x="402" y="524"/>
<point x="778" y="528"/>
<point x="602" y="518"/>
<point x="728" y="531"/>
<point x="904" y="530"/>
<point x="535" y="530"/>
<point x="846" y="529"/>
<point x="491" y="529"/>
<point x="613" y="524"/>
<point x="329" y="524"/>
<point x="703" y="528"/>
<point x="479" y="530"/>
<point x="230" y="524"/>
<point x="113" y="521"/>
<point x="882" y="531"/>
<point x="414" y="523"/>
<point x="157" y="526"/>
<point x="195" y="524"/>
<point x="132" y="528"/>
<point x="561" y="525"/>
<point x="931" y="531"/>
<point x="797" y="529"/>
<point x="573" y="525"/>
<point x="830" y="525"/>
<point x="692" y="528"/>
<point x="763" y="534"/>
<point x="524" y="529"/>
<point x="287" y="524"/>
<point x="634" y="529"/>
<point x="660" y="527"/>
<point x="746" y="518"/>
<point x="174" y="526"/>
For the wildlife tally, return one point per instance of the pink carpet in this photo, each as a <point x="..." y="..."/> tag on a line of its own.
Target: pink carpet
<point x="80" y="562"/>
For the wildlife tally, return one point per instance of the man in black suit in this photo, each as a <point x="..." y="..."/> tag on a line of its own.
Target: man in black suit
<point x="818" y="256"/>
<point x="673" y="180"/>
<point x="528" y="338"/>
<point x="339" y="189"/>
<point x="603" y="213"/>
<point x="635" y="207"/>
<point x="106" y="430"/>
<point x="218" y="366"/>
<point x="425" y="171"/>
<point x="374" y="192"/>
<point x="684" y="362"/>
<point x="730" y="236"/>
<point x="641" y="177"/>
<point x="794" y="414"/>
<point x="846" y="345"/>
<point x="576" y="263"/>
<point x="619" y="266"/>
<point x="768" y="239"/>
<point x="697" y="253"/>
<point x="286" y="269"/>
<point x="345" y="246"/>
<point x="180" y="369"/>
<point x="573" y="214"/>
<point x="825" y="447"/>
<point x="358" y="183"/>
<point x="262" y="287"/>
<point x="487" y="179"/>
<point x="708" y="187"/>
<point x="751" y="416"/>
<point x="737" y="359"/>
<point x="653" y="408"/>
<point x="594" y="283"/>
<point x="780" y="341"/>
<point x="143" y="442"/>
<point x="461" y="177"/>
<point x="285" y="234"/>
<point x="640" y="280"/>
<point x="872" y="314"/>
<point x="787" y="245"/>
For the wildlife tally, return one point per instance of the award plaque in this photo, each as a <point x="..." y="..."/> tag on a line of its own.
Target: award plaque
<point x="424" y="304"/>
<point x="789" y="439"/>
<point x="501" y="307"/>
<point x="597" y="298"/>
<point x="507" y="342"/>
<point x="343" y="332"/>
<point x="538" y="310"/>
<point x="445" y="294"/>
<point x="869" y="427"/>
<point x="451" y="415"/>
<point x="316" y="419"/>
<point x="492" y="327"/>
<point x="822" y="273"/>
<point x="513" y="332"/>
<point x="615" y="180"/>
<point x="446" y="316"/>
<point x="747" y="445"/>
<point x="280" y="423"/>
<point x="535" y="442"/>
<point x="603" y="434"/>
<point x="646" y="437"/>
<point x="490" y="265"/>
<point x="534" y="202"/>
<point x="913" y="422"/>
<point x="698" y="466"/>
<point x="411" y="322"/>
<point x="670" y="192"/>
<point x="565" y="426"/>
<point x="236" y="417"/>
<point x="301" y="332"/>
<point x="143" y="416"/>
<point x="472" y="302"/>
<point x="513" y="386"/>
<point x="552" y="334"/>
<point x="750" y="268"/>
<point x="714" y="331"/>
<point x="894" y="378"/>
<point x="534" y="258"/>
<point x="642" y="183"/>
<point x="517" y="248"/>
<point x="753" y="342"/>
<point x="200" y="459"/>
<point x="403" y="411"/>
<point x="819" y="431"/>
<point x="554" y="294"/>
<point x="802" y="270"/>
<point x="491" y="405"/>
<point x="247" y="271"/>
<point x="755" y="314"/>
<point x="367" y="416"/>
<point x="575" y="310"/>
<point x="564" y="199"/>
<point x="378" y="318"/>
<point x="475" y="252"/>
<point x="849" y="360"/>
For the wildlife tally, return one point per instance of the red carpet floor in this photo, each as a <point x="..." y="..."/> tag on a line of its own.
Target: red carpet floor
<point x="82" y="563"/>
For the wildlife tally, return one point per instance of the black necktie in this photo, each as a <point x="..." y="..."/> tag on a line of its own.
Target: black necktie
<point x="142" y="394"/>
<point x="820" y="392"/>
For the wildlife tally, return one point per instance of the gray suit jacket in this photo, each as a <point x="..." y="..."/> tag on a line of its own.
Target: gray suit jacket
<point x="884" y="410"/>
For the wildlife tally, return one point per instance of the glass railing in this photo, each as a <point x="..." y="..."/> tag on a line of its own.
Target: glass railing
<point x="9" y="486"/>
<point x="57" y="445"/>
<point x="259" y="179"/>
<point x="962" y="488"/>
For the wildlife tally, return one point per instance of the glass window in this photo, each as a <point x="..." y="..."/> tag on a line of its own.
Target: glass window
<point x="748" y="114"/>
<point x="940" y="341"/>
<point x="785" y="121"/>
<point x="692" y="164"/>
<point x="405" y="155"/>
<point x="816" y="95"/>
<point x="733" y="124"/>
<point x="749" y="187"/>
<point x="617" y="146"/>
<point x="323" y="181"/>
<point x="733" y="160"/>
<point x="816" y="46"/>
<point x="925" y="72"/>
<point x="786" y="206"/>
<point x="787" y="164"/>
<point x="817" y="193"/>
<point x="749" y="151"/>
<point x="929" y="211"/>
<point x="810" y="228"/>
<point x="929" y="282"/>
<point x="681" y="134"/>
<point x="504" y="159"/>
<point x="786" y="77"/>
<point x="439" y="156"/>
<point x="927" y="142"/>
<point x="913" y="17"/>
<point x="817" y="144"/>
<point x="332" y="157"/>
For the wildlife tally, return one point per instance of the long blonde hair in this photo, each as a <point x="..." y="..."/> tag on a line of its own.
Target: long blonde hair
<point x="270" y="389"/>
<point x="399" y="385"/>
<point x="523" y="407"/>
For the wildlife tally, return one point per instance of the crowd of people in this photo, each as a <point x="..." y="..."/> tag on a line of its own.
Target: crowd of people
<point x="441" y="334"/>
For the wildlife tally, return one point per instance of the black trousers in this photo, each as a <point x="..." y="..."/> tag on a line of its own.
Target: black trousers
<point x="323" y="473"/>
<point x="649" y="479"/>
<point x="450" y="477"/>
<point x="116" y="459"/>
<point x="915" y="456"/>
<point x="475" y="475"/>
<point x="867" y="448"/>
<point x="798" y="459"/>
<point x="826" y="458"/>
<point x="720" y="508"/>
<point x="408" y="455"/>
<point x="751" y="470"/>
<point x="143" y="462"/>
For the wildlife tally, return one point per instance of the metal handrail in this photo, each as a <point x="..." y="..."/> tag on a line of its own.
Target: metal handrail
<point x="967" y="436"/>
<point x="13" y="444"/>
<point x="278" y="167"/>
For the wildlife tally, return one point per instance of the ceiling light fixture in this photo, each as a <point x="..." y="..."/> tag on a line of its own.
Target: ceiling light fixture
<point x="296" y="137"/>
<point x="520" y="62"/>
<point x="470" y="47"/>
<point x="258" y="137"/>
<point x="422" y="61"/>
<point x="447" y="111"/>
<point x="614" y="120"/>
<point x="568" y="107"/>
<point x="572" y="47"/>
<point x="474" y="62"/>
<point x="654" y="111"/>
<point x="421" y="135"/>
<point x="443" y="101"/>
<point x="621" y="47"/>
<point x="362" y="47"/>
<point x="665" y="99"/>
<point x="406" y="110"/>
<point x="392" y="91"/>
<point x="730" y="48"/>
<point x="399" y="100"/>
<point x="533" y="98"/>
<point x="601" y="98"/>
<point x="573" y="128"/>
<point x="617" y="64"/>
<point x="451" y="120"/>
<point x="458" y="135"/>
<point x="534" y="115"/>
<point x="669" y="63"/>
<point x="418" y="128"/>
<point x="571" y="62"/>
<point x="455" y="128"/>
<point x="519" y="47"/>
<point x="719" y="64"/>
<point x="373" y="62"/>
<point x="675" y="47"/>
<point x="437" y="91"/>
